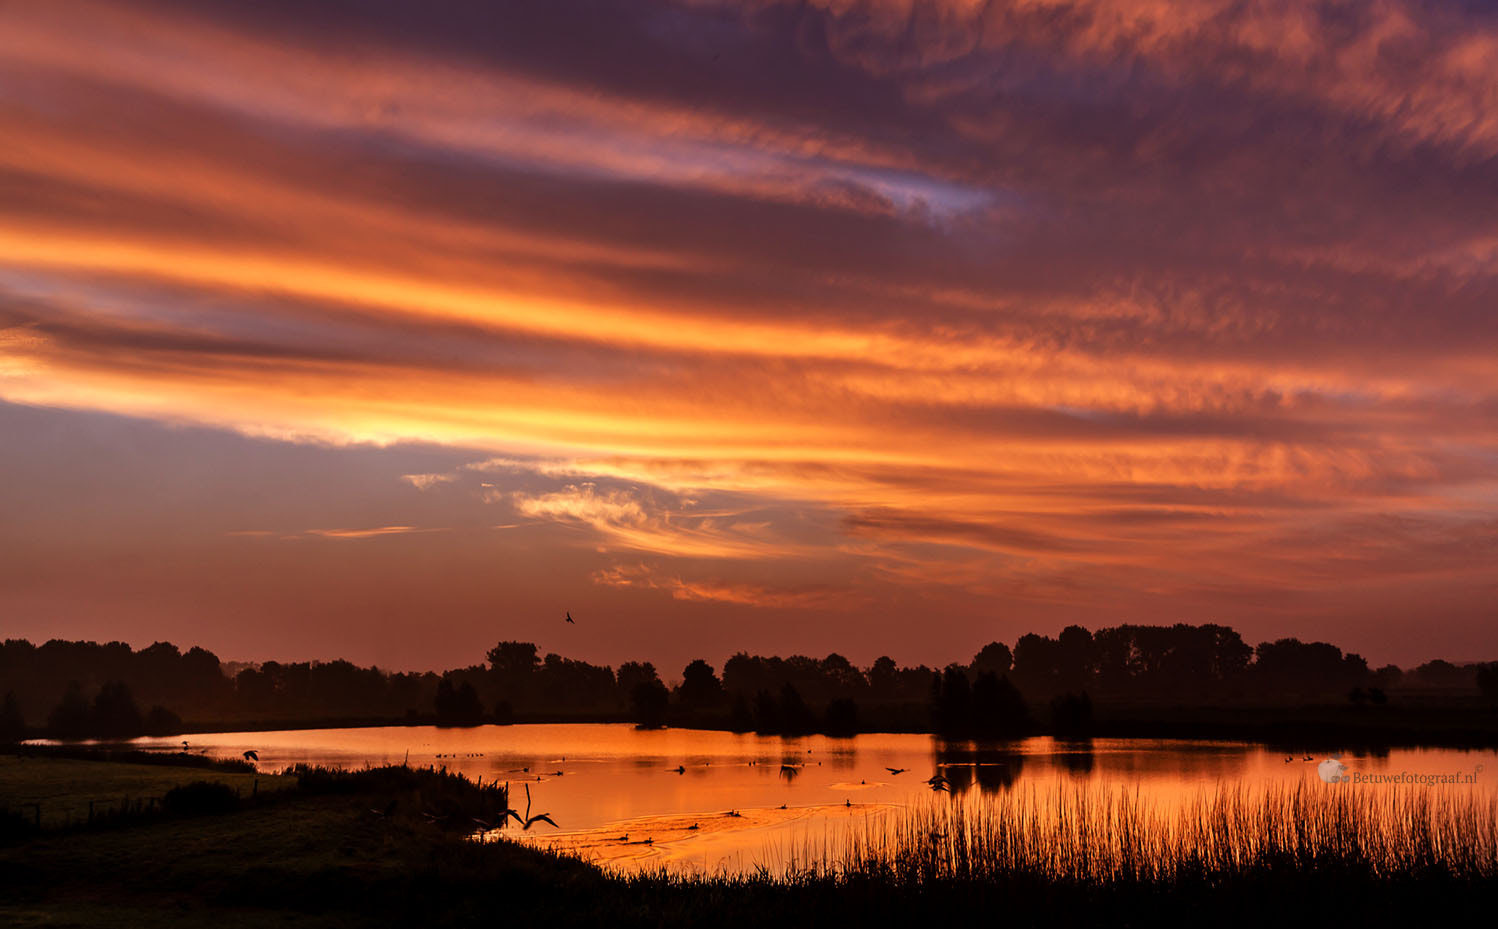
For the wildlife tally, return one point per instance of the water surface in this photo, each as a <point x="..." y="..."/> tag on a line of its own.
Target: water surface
<point x="632" y="797"/>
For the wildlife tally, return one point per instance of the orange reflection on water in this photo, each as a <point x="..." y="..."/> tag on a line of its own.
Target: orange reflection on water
<point x="631" y="798"/>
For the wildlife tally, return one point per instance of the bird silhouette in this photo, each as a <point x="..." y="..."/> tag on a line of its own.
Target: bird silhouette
<point x="896" y="770"/>
<point x="571" y="620"/>
<point x="680" y="769"/>
<point x="693" y="827"/>
<point x="530" y="820"/>
<point x="252" y="755"/>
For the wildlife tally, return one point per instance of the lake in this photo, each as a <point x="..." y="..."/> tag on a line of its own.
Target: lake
<point x="709" y="801"/>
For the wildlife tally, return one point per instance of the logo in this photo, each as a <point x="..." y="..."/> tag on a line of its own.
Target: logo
<point x="1332" y="770"/>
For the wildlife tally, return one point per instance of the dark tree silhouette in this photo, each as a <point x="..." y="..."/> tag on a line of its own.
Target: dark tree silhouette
<point x="993" y="658"/>
<point x="700" y="687"/>
<point x="12" y="722"/>
<point x="884" y="678"/>
<point x="841" y="717"/>
<point x="458" y="706"/>
<point x="631" y="675"/>
<point x="740" y="718"/>
<point x="649" y="702"/>
<point x="766" y="713"/>
<point x="1487" y="680"/>
<point x="795" y="716"/>
<point x="162" y="721"/>
<point x="71" y="718"/>
<point x="115" y="715"/>
<point x="998" y="708"/>
<point x="952" y="702"/>
<point x="1071" y="714"/>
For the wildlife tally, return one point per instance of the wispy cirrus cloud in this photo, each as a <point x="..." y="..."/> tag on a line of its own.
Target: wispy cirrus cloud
<point x="370" y="533"/>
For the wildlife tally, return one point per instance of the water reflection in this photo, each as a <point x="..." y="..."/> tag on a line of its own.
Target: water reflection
<point x="1075" y="756"/>
<point x="992" y="766"/>
<point x="601" y="781"/>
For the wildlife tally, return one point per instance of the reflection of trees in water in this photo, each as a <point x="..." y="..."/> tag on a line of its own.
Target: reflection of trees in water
<point x="1075" y="757"/>
<point x="993" y="766"/>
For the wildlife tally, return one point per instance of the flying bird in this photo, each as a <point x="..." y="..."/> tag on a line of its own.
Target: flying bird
<point x="530" y="820"/>
<point x="896" y="770"/>
<point x="570" y="619"/>
<point x="252" y="755"/>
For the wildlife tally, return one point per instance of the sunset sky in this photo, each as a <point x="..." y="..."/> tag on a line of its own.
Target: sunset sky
<point x="387" y="330"/>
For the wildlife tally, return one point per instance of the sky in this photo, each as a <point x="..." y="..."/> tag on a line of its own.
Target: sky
<point x="387" y="330"/>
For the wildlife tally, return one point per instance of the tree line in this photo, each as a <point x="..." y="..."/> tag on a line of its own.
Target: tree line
<point x="77" y="689"/>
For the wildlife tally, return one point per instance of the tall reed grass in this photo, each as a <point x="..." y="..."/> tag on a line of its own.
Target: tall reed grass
<point x="1102" y="835"/>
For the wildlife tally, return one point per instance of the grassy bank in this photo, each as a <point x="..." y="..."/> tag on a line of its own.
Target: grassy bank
<point x="52" y="791"/>
<point x="388" y="847"/>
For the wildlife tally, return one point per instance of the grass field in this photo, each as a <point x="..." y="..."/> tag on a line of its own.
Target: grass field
<point x="63" y="789"/>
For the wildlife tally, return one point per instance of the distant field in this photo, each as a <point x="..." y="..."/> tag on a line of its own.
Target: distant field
<point x="64" y="787"/>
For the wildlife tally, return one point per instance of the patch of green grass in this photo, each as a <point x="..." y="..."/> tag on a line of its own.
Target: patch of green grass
<point x="65" y="787"/>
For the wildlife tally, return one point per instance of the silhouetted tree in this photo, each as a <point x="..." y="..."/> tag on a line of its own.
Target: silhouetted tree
<point x="740" y="717"/>
<point x="70" y="718"/>
<point x="952" y="702"/>
<point x="998" y="709"/>
<point x="115" y="715"/>
<point x="458" y="706"/>
<point x="1291" y="666"/>
<point x="513" y="666"/>
<point x="564" y="682"/>
<point x="1443" y="675"/>
<point x="1074" y="659"/>
<point x="1388" y="676"/>
<point x="1487" y="680"/>
<point x="700" y="686"/>
<point x="993" y="658"/>
<point x="766" y="713"/>
<point x="12" y="723"/>
<point x="1071" y="714"/>
<point x="162" y="721"/>
<point x="841" y="717"/>
<point x="631" y="675"/>
<point x="649" y="702"/>
<point x="795" y="716"/>
<point x="884" y="678"/>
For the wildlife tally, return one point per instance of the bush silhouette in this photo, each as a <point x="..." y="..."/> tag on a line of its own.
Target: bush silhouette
<point x="200" y="798"/>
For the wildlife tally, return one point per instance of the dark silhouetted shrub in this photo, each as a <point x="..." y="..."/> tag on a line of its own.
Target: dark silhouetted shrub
<point x="200" y="798"/>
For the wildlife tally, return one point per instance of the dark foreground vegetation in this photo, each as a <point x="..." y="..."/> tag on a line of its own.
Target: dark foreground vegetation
<point x="387" y="847"/>
<point x="1161" y="681"/>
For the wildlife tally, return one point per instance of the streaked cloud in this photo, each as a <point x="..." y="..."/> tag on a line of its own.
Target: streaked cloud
<point x="1059" y="305"/>
<point x="366" y="533"/>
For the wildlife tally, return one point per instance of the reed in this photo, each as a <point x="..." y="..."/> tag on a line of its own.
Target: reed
<point x="1107" y="836"/>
